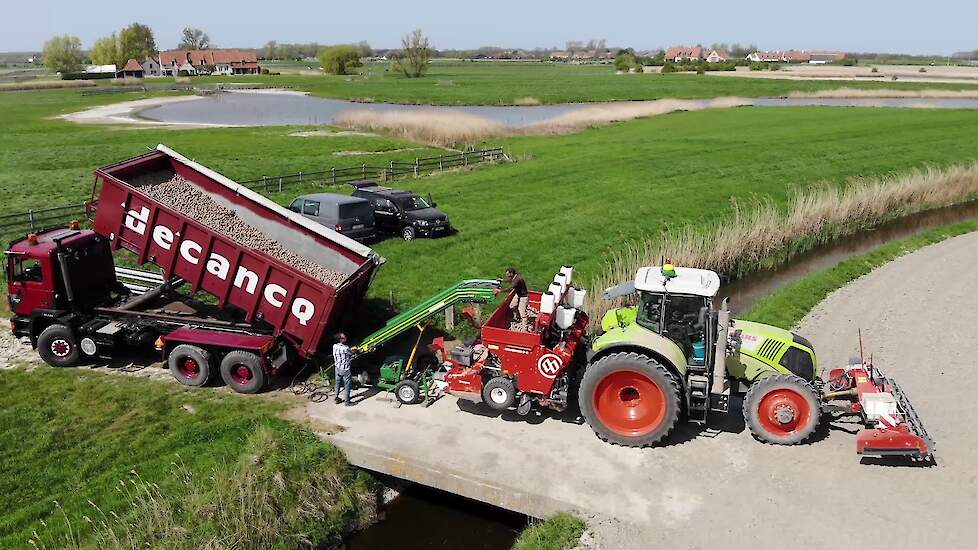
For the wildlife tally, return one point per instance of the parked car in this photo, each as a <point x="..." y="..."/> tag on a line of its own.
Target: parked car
<point x="403" y="212"/>
<point x="350" y="216"/>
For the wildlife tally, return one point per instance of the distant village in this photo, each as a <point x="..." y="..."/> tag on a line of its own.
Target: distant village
<point x="184" y="63"/>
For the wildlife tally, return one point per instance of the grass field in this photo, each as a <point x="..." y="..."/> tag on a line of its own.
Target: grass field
<point x="477" y="83"/>
<point x="70" y="437"/>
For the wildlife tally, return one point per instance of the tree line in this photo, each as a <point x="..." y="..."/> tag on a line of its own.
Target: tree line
<point x="64" y="53"/>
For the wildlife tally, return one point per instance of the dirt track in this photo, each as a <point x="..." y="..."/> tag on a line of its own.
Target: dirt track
<point x="719" y="487"/>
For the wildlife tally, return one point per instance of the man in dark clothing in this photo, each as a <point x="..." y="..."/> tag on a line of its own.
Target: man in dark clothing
<point x="518" y="305"/>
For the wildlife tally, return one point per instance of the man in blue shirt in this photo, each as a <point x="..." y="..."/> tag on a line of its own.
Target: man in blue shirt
<point x="342" y="356"/>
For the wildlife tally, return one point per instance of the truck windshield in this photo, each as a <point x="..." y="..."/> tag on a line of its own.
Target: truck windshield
<point x="26" y="269"/>
<point x="413" y="203"/>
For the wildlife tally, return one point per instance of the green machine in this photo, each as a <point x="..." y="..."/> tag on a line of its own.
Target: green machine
<point x="675" y="353"/>
<point x="411" y="379"/>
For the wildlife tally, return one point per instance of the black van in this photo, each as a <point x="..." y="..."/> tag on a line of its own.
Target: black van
<point x="403" y="212"/>
<point x="350" y="216"/>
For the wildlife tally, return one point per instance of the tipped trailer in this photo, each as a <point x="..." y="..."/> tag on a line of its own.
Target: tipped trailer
<point x="264" y="313"/>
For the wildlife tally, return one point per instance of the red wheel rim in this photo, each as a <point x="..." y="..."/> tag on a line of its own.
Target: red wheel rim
<point x="783" y="412"/>
<point x="61" y="347"/>
<point x="241" y="374"/>
<point x="189" y="368"/>
<point x="629" y="403"/>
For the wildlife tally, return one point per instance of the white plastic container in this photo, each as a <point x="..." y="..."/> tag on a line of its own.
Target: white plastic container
<point x="561" y="279"/>
<point x="575" y="298"/>
<point x="565" y="317"/>
<point x="567" y="271"/>
<point x="547" y="302"/>
<point x="557" y="291"/>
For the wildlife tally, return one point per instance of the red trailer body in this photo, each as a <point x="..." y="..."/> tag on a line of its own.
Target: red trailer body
<point x="295" y="304"/>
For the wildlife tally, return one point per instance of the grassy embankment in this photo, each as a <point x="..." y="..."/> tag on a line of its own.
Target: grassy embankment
<point x="789" y="305"/>
<point x="560" y="532"/>
<point x="163" y="465"/>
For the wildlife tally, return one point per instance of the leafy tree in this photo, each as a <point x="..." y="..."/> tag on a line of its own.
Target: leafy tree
<point x="194" y="39"/>
<point x="63" y="53"/>
<point x="270" y="51"/>
<point x="625" y="61"/>
<point x="337" y="59"/>
<point x="412" y="60"/>
<point x="136" y="42"/>
<point x="106" y="51"/>
<point x="365" y="50"/>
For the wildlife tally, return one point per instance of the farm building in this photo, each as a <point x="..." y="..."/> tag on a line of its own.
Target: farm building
<point x="821" y="58"/>
<point x="152" y="67"/>
<point x="225" y="62"/>
<point x="766" y="57"/>
<point x="132" y="69"/>
<point x="679" y="54"/>
<point x="717" y="56"/>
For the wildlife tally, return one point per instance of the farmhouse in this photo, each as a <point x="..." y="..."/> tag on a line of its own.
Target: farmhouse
<point x="194" y="62"/>
<point x="717" y="56"/>
<point x="821" y="58"/>
<point x="766" y="57"/>
<point x="152" y="67"/>
<point x="560" y="54"/>
<point x="132" y="69"/>
<point x="678" y="54"/>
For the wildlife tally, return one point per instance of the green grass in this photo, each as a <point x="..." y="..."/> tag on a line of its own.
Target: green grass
<point x="789" y="305"/>
<point x="560" y="532"/>
<point x="69" y="436"/>
<point x="481" y="83"/>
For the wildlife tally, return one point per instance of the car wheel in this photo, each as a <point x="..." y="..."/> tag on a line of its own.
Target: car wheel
<point x="408" y="233"/>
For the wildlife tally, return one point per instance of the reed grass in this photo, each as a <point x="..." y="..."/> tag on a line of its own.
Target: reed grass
<point x="453" y="129"/>
<point x="527" y="101"/>
<point x="766" y="235"/>
<point x="45" y="85"/>
<point x="853" y="93"/>
<point x="127" y="81"/>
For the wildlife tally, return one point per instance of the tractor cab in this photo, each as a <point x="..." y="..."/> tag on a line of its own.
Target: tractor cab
<point x="58" y="270"/>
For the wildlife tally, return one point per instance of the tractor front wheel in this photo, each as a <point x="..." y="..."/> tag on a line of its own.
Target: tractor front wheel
<point x="407" y="392"/>
<point x="629" y="399"/>
<point x="781" y="410"/>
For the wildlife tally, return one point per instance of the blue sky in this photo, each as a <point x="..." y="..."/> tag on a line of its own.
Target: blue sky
<point x="936" y="26"/>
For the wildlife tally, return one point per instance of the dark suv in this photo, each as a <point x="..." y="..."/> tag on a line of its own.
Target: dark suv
<point x="403" y="212"/>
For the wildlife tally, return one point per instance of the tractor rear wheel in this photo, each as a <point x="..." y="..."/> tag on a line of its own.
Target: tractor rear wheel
<point x="781" y="410"/>
<point x="190" y="365"/>
<point x="407" y="392"/>
<point x="629" y="399"/>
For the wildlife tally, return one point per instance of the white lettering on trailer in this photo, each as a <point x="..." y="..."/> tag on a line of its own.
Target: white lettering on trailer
<point x="303" y="310"/>
<point x="163" y="237"/>
<point x="136" y="221"/>
<point x="270" y="294"/>
<point x="219" y="266"/>
<point x="185" y="248"/>
<point x="243" y="274"/>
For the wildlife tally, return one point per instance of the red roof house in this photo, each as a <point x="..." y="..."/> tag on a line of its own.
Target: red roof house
<point x="210" y="61"/>
<point x="679" y="54"/>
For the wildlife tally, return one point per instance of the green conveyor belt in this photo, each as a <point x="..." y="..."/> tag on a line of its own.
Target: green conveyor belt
<point x="467" y="291"/>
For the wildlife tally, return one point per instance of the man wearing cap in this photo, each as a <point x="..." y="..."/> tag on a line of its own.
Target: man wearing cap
<point x="521" y="300"/>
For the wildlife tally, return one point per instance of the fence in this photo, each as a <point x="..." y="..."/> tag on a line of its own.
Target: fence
<point x="340" y="176"/>
<point x="34" y="220"/>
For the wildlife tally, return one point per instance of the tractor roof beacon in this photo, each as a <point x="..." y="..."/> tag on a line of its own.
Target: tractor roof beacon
<point x="674" y="352"/>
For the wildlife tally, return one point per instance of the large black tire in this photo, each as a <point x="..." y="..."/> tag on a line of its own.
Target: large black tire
<point x="408" y="233"/>
<point x="243" y="372"/>
<point x="190" y="365"/>
<point x="629" y="399"/>
<point x="58" y="346"/>
<point x="407" y="392"/>
<point x="781" y="409"/>
<point x="499" y="393"/>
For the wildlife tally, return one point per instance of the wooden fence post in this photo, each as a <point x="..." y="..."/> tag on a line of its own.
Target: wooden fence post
<point x="363" y="170"/>
<point x="333" y="171"/>
<point x="280" y="185"/>
<point x="300" y="177"/>
<point x="441" y="164"/>
<point x="30" y="218"/>
<point x="450" y="318"/>
<point x="417" y="166"/>
<point x="465" y="158"/>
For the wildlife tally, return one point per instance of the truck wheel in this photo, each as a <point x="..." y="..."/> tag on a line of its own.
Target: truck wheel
<point x="629" y="399"/>
<point x="499" y="393"/>
<point x="408" y="233"/>
<point x="190" y="365"/>
<point x="781" y="410"/>
<point x="58" y="347"/>
<point x="243" y="372"/>
<point x="408" y="392"/>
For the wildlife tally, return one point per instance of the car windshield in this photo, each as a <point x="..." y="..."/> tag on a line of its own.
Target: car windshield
<point x="413" y="203"/>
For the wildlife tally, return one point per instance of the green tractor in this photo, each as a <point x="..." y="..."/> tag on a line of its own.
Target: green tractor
<point x="675" y="354"/>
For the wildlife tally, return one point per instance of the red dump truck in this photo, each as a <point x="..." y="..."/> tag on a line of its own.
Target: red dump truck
<point x="258" y="312"/>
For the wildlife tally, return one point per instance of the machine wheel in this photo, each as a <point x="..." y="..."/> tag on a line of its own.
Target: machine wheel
<point x="408" y="233"/>
<point x="190" y="365"/>
<point x="243" y="372"/>
<point x="408" y="392"/>
<point x="499" y="393"/>
<point x="781" y="410"/>
<point x="58" y="347"/>
<point x="629" y="399"/>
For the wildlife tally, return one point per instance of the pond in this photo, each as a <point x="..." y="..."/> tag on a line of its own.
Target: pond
<point x="280" y="109"/>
